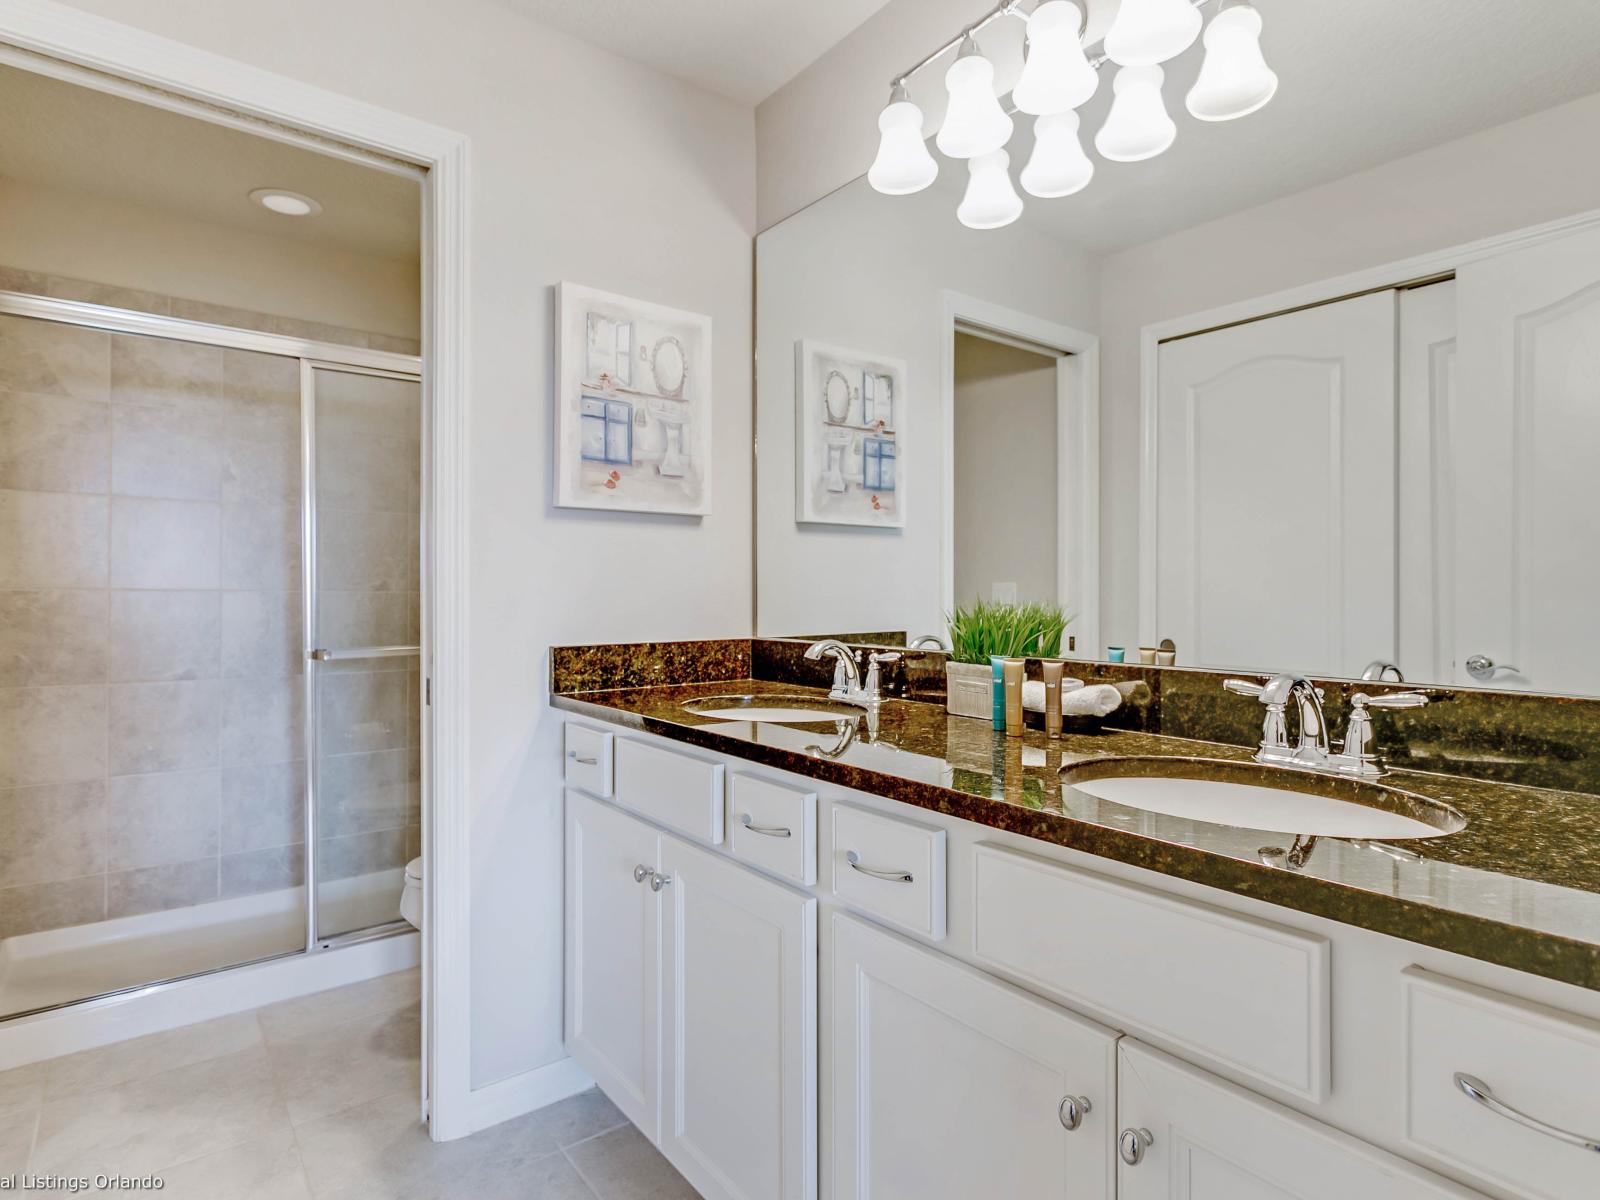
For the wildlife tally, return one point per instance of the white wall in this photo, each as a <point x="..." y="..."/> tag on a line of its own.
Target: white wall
<point x="57" y="232"/>
<point x="867" y="271"/>
<point x="1005" y="472"/>
<point x="1494" y="181"/>
<point x="583" y="167"/>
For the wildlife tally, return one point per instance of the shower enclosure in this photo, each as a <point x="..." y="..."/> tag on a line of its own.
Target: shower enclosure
<point x="210" y="621"/>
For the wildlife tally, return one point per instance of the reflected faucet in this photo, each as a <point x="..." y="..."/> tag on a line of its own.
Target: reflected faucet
<point x="924" y="641"/>
<point x="1381" y="670"/>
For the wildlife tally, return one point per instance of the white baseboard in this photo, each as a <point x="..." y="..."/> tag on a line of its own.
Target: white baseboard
<point x="525" y="1092"/>
<point x="167" y="1006"/>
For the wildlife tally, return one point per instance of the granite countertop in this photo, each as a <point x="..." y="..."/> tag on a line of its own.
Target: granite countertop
<point x="1518" y="886"/>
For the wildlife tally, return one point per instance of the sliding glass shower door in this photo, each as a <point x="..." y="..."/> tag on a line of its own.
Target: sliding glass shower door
<point x="363" y="633"/>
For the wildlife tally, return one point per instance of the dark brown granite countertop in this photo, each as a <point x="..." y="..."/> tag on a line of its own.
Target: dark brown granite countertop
<point x="1519" y="886"/>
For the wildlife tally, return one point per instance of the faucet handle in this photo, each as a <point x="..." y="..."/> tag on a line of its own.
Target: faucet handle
<point x="1390" y="700"/>
<point x="1241" y="687"/>
<point x="886" y="656"/>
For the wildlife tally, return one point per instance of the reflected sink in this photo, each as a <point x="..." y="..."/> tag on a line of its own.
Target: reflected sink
<point x="1254" y="796"/>
<point x="778" y="708"/>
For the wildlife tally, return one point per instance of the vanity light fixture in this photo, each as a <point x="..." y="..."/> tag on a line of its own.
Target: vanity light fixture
<point x="1137" y="127"/>
<point x="285" y="203"/>
<point x="1147" y="32"/>
<point x="990" y="201"/>
<point x="1058" y="166"/>
<point x="1234" y="77"/>
<point x="1059" y="75"/>
<point x="974" y="122"/>
<point x="903" y="164"/>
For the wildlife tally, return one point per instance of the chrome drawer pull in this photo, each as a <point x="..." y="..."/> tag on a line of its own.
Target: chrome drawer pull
<point x="577" y="758"/>
<point x="854" y="859"/>
<point x="659" y="881"/>
<point x="1132" y="1143"/>
<point x="763" y="830"/>
<point x="1480" y="1091"/>
<point x="641" y="873"/>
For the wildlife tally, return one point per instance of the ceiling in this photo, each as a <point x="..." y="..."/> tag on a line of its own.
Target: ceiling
<point x="60" y="135"/>
<point x="1362" y="82"/>
<point x="742" y="49"/>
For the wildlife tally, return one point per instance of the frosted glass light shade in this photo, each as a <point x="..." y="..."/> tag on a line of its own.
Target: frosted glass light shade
<point x="903" y="164"/>
<point x="974" y="122"/>
<point x="990" y="201"/>
<point x="1058" y="166"/>
<point x="1147" y="32"/>
<point x="1057" y="75"/>
<point x="1137" y="127"/>
<point x="1234" y="78"/>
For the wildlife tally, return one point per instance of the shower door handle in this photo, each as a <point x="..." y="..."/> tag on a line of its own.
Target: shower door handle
<point x="322" y="655"/>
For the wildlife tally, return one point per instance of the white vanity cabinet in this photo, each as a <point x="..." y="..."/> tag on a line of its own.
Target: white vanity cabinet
<point x="691" y="998"/>
<point x="948" y="1084"/>
<point x="1187" y="1135"/>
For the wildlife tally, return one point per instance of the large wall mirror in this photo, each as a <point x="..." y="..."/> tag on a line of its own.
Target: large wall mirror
<point x="1317" y="389"/>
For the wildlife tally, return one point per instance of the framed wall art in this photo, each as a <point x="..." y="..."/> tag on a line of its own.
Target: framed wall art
<point x="633" y="404"/>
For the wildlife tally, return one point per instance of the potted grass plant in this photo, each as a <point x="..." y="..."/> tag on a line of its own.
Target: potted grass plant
<point x="983" y="629"/>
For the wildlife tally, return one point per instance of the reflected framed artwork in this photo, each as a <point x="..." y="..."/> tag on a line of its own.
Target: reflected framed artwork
<point x="850" y="459"/>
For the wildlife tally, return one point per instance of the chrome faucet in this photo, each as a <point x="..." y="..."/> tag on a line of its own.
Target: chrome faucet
<point x="848" y="687"/>
<point x="925" y="640"/>
<point x="1312" y="751"/>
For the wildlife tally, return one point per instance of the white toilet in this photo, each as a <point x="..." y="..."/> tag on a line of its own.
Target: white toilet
<point x="411" y="897"/>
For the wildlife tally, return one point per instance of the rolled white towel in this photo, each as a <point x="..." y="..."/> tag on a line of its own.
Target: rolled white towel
<point x="1033" y="692"/>
<point x="1094" y="701"/>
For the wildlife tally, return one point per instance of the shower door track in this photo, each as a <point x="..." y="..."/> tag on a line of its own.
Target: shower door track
<point x="312" y="355"/>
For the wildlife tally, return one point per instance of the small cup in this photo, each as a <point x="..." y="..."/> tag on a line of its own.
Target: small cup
<point x="1115" y="654"/>
<point x="1147" y="655"/>
<point x="1165" y="658"/>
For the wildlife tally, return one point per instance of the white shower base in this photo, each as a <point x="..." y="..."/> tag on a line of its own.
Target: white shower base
<point x="58" y="966"/>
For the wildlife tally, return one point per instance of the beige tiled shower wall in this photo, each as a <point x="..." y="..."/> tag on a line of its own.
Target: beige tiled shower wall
<point x="151" y="701"/>
<point x="36" y="284"/>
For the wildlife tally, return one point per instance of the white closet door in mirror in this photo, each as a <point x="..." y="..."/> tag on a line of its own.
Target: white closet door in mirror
<point x="1274" y="462"/>
<point x="1528" y="509"/>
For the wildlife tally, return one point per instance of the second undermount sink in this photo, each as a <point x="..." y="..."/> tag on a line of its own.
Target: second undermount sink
<point x="782" y="709"/>
<point x="1254" y="796"/>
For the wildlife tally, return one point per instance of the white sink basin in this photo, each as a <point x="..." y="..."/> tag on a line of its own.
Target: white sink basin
<point x="779" y="709"/>
<point x="1272" y="799"/>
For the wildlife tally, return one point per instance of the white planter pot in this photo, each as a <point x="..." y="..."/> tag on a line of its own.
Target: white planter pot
<point x="969" y="690"/>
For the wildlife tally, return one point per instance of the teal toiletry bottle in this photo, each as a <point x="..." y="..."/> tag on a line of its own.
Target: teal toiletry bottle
<point x="997" y="665"/>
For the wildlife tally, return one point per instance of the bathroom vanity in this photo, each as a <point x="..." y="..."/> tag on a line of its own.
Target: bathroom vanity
<point x="824" y="959"/>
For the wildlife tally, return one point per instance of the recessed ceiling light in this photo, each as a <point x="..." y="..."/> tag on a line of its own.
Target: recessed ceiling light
<point x="289" y="204"/>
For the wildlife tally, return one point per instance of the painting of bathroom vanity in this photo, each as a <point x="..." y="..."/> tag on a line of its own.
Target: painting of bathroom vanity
<point x="633" y="404"/>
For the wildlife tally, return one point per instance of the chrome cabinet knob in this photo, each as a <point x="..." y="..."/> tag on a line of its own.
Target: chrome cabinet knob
<point x="659" y="881"/>
<point x="1072" y="1111"/>
<point x="641" y="873"/>
<point x="1131" y="1145"/>
<point x="1481" y="666"/>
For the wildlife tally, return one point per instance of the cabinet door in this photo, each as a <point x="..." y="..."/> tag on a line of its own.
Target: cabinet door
<point x="1274" y="460"/>
<point x="612" y="983"/>
<point x="739" y="968"/>
<point x="1210" y="1140"/>
<point x="1525" y="427"/>
<point x="947" y="1084"/>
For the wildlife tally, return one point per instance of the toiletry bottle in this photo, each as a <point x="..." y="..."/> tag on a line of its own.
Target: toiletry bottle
<point x="1052" y="697"/>
<point x="997" y="665"/>
<point x="1012" y="675"/>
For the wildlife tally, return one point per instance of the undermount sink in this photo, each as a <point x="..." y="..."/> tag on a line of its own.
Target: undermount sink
<point x="778" y="708"/>
<point x="1272" y="799"/>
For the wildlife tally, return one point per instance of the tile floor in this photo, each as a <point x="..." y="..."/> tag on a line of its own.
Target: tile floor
<point x="312" y="1098"/>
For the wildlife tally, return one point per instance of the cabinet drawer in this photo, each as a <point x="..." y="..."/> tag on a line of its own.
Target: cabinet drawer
<point x="1122" y="949"/>
<point x="890" y="868"/>
<point x="773" y="827"/>
<point x="587" y="761"/>
<point x="1540" y="1062"/>
<point x="678" y="790"/>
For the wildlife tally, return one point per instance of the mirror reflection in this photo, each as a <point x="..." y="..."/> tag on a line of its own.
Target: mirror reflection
<point x="1315" y="389"/>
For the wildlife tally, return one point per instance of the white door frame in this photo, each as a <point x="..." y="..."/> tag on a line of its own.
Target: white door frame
<point x="1077" y="453"/>
<point x="1420" y="267"/>
<point x="123" y="53"/>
